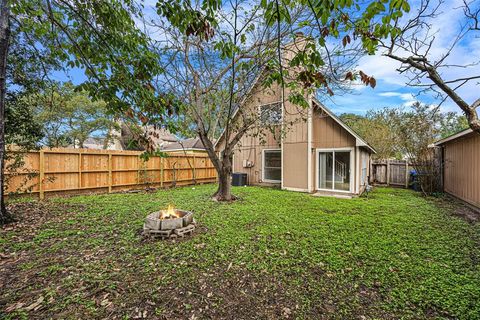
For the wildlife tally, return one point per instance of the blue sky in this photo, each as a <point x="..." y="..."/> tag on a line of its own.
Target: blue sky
<point x="385" y="94"/>
<point x="391" y="89"/>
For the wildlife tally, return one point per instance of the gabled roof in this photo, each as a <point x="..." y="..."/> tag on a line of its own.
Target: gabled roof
<point x="453" y="137"/>
<point x="359" y="140"/>
<point x="187" y="144"/>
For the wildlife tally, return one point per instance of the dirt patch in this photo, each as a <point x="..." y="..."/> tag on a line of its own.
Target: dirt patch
<point x="460" y="209"/>
<point x="467" y="213"/>
<point x="30" y="216"/>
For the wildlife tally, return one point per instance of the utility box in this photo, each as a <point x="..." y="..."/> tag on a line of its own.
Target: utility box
<point x="239" y="179"/>
<point x="247" y="163"/>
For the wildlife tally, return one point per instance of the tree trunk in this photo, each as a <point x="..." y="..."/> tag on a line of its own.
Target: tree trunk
<point x="224" y="192"/>
<point x="5" y="217"/>
<point x="223" y="165"/>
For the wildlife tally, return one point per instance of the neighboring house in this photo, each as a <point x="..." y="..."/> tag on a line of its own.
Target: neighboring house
<point x="190" y="145"/>
<point x="98" y="144"/>
<point x="460" y="156"/>
<point x="138" y="139"/>
<point x="315" y="152"/>
<point x="122" y="139"/>
<point x="161" y="137"/>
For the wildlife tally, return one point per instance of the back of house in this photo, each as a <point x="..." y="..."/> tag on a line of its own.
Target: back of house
<point x="306" y="149"/>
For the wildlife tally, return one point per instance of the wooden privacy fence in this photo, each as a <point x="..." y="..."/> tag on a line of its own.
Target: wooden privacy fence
<point x="390" y="172"/>
<point x="50" y="171"/>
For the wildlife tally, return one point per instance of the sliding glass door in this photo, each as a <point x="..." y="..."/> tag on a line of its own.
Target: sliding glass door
<point x="334" y="170"/>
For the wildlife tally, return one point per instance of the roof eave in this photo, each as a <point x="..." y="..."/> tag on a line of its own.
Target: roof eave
<point x="359" y="142"/>
<point x="453" y="136"/>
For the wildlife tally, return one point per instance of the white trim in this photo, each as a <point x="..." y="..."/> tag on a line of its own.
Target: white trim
<point x="352" y="168"/>
<point x="454" y="136"/>
<point x="359" y="141"/>
<point x="309" y="146"/>
<point x="263" y="166"/>
<point x="295" y="189"/>
<point x="357" y="164"/>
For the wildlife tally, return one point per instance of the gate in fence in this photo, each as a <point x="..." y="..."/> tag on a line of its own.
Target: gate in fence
<point x="390" y="172"/>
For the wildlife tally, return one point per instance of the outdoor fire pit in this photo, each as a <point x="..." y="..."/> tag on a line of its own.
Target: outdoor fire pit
<point x="170" y="223"/>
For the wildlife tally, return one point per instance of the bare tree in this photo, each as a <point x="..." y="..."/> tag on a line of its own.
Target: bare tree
<point x="416" y="46"/>
<point x="212" y="74"/>
<point x="214" y="64"/>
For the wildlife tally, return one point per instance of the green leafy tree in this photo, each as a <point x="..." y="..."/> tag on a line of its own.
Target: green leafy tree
<point x="452" y="123"/>
<point x="375" y="129"/>
<point x="383" y="128"/>
<point x="68" y="116"/>
<point x="98" y="36"/>
<point x="214" y="51"/>
<point x="22" y="133"/>
<point x="410" y="39"/>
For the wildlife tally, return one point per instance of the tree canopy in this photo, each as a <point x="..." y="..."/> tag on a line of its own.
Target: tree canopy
<point x="69" y="117"/>
<point x="395" y="132"/>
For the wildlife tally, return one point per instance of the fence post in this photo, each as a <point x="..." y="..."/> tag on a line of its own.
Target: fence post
<point x="138" y="170"/>
<point x="42" y="175"/>
<point x="79" y="169"/>
<point x="406" y="174"/>
<point x="193" y="169"/>
<point x="110" y="173"/>
<point x="161" y="172"/>
<point x="388" y="172"/>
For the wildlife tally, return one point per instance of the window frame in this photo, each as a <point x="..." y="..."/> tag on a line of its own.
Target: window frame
<point x="352" y="168"/>
<point x="263" y="165"/>
<point x="269" y="123"/>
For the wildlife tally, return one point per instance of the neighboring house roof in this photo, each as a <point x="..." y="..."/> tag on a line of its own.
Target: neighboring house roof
<point x="163" y="134"/>
<point x="97" y="143"/>
<point x="453" y="137"/>
<point x="360" y="141"/>
<point x="187" y="144"/>
<point x="148" y="135"/>
<point x="94" y="143"/>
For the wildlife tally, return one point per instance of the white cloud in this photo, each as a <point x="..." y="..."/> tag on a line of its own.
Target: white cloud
<point x="389" y="94"/>
<point x="444" y="27"/>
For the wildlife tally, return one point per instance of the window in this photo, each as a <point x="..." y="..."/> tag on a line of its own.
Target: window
<point x="271" y="113"/>
<point x="272" y="165"/>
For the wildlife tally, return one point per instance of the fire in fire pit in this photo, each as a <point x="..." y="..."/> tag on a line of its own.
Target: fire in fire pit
<point x="170" y="223"/>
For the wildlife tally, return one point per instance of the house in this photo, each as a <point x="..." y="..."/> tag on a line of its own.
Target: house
<point x="97" y="143"/>
<point x="460" y="154"/>
<point x="130" y="139"/>
<point x="299" y="149"/>
<point x="142" y="137"/>
<point x="190" y="145"/>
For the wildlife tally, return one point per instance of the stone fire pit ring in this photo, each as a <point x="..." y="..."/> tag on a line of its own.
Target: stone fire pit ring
<point x="174" y="227"/>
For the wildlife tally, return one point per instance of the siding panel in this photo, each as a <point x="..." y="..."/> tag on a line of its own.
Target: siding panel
<point x="462" y="172"/>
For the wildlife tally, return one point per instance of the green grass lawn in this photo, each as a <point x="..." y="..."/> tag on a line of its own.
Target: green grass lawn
<point x="273" y="254"/>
